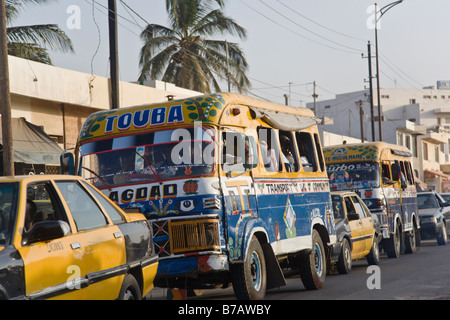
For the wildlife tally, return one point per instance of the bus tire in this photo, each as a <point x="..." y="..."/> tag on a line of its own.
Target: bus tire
<point x="249" y="278"/>
<point x="441" y="238"/>
<point x="393" y="244"/>
<point x="313" y="266"/>
<point x="410" y="241"/>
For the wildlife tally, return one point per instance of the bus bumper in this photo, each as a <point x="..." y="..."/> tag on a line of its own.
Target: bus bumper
<point x="192" y="265"/>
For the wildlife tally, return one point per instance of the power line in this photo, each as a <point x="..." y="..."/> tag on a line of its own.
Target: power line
<point x="298" y="34"/>
<point x="320" y="25"/>
<point x="308" y="30"/>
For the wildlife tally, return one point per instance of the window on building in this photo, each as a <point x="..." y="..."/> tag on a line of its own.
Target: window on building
<point x="436" y="153"/>
<point x="425" y="151"/>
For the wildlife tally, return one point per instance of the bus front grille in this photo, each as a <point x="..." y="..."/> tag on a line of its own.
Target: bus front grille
<point x="178" y="237"/>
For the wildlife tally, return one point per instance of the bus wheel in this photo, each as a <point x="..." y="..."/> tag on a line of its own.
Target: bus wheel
<point x="393" y="244"/>
<point x="410" y="241"/>
<point x="249" y="278"/>
<point x="313" y="267"/>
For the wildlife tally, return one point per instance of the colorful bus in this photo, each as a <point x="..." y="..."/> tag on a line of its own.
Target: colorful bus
<point x="235" y="188"/>
<point x="382" y="175"/>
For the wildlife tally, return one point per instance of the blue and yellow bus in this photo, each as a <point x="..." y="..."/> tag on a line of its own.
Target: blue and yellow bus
<point x="235" y="188"/>
<point x="382" y="175"/>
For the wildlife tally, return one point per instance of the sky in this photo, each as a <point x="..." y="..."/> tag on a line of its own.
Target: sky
<point x="290" y="43"/>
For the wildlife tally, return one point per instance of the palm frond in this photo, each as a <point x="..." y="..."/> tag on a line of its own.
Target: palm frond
<point x="47" y="36"/>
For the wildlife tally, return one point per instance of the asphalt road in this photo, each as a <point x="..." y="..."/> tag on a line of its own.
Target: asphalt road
<point x="424" y="275"/>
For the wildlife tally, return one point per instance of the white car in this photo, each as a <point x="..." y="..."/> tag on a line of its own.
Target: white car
<point x="432" y="210"/>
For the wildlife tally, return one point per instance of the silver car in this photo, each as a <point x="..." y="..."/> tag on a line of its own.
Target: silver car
<point x="432" y="210"/>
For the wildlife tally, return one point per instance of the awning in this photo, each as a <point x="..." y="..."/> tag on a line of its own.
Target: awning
<point x="437" y="173"/>
<point x="284" y="121"/>
<point x="32" y="145"/>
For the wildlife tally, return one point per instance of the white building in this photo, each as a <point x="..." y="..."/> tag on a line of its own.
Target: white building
<point x="417" y="119"/>
<point x="59" y="100"/>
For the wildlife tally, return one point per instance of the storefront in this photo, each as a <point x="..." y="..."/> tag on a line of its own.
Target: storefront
<point x="34" y="151"/>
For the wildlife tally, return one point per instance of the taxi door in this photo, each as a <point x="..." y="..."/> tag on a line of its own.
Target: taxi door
<point x="49" y="265"/>
<point x="366" y="225"/>
<point x="100" y="246"/>
<point x="356" y="227"/>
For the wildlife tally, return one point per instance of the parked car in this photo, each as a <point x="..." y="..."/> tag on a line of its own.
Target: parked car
<point x="446" y="197"/>
<point x="357" y="231"/>
<point x="60" y="238"/>
<point x="432" y="210"/>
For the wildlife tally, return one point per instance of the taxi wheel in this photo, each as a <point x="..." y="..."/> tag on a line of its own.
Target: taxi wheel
<point x="344" y="264"/>
<point x="130" y="289"/>
<point x="373" y="258"/>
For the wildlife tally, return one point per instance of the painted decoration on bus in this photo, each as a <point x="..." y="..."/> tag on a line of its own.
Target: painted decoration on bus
<point x="203" y="108"/>
<point x="172" y="198"/>
<point x="362" y="152"/>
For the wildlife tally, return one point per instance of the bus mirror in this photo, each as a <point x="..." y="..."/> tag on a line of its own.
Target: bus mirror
<point x="67" y="162"/>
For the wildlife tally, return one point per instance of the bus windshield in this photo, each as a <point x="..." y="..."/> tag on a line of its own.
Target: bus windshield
<point x="149" y="157"/>
<point x="354" y="175"/>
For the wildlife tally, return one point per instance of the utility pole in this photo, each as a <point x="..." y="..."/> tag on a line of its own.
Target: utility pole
<point x="378" y="74"/>
<point x="315" y="96"/>
<point x="372" y="117"/>
<point x="5" y="99"/>
<point x="113" y="53"/>
<point x="361" y="118"/>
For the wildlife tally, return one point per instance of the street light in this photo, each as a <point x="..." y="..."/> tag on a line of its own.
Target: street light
<point x="383" y="11"/>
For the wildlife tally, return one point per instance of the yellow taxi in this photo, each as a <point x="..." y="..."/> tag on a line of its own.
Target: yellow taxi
<point x="357" y="231"/>
<point x="60" y="238"/>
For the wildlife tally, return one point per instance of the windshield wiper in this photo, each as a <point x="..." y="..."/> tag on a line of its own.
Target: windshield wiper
<point x="151" y="168"/>
<point x="99" y="177"/>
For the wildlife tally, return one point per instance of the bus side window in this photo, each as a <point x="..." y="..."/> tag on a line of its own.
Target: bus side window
<point x="233" y="152"/>
<point x="289" y="151"/>
<point x="270" y="150"/>
<point x="410" y="173"/>
<point x="395" y="171"/>
<point x="319" y="152"/>
<point x="385" y="173"/>
<point x="306" y="149"/>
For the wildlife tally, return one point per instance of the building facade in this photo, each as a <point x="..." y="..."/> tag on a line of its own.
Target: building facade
<point x="416" y="118"/>
<point x="59" y="100"/>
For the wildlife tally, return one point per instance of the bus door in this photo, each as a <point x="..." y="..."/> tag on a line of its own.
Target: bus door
<point x="239" y="156"/>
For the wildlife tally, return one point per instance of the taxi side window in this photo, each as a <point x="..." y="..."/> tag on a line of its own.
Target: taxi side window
<point x="42" y="205"/>
<point x="115" y="216"/>
<point x="85" y="212"/>
<point x="358" y="207"/>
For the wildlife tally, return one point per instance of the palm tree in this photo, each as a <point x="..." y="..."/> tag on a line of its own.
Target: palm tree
<point x="182" y="54"/>
<point x="32" y="42"/>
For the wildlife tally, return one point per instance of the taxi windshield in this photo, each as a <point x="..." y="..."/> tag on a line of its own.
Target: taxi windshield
<point x="8" y="211"/>
<point x="354" y="175"/>
<point x="149" y="157"/>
